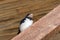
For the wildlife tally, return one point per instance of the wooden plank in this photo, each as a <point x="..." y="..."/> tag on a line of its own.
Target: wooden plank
<point x="42" y="27"/>
<point x="9" y="17"/>
<point x="6" y="1"/>
<point x="53" y="35"/>
<point x="13" y="14"/>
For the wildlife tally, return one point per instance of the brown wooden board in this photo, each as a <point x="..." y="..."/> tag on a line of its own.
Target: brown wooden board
<point x="10" y="17"/>
<point x="42" y="27"/>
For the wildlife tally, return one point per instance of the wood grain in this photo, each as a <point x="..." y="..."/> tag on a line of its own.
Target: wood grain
<point x="42" y="27"/>
<point x="12" y="11"/>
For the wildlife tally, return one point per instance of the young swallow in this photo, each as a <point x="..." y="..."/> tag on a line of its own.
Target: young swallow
<point x="26" y="22"/>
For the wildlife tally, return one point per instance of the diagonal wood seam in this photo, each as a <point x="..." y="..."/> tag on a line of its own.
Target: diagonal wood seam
<point x="42" y="27"/>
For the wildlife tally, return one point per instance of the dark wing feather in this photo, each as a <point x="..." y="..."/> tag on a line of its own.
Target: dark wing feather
<point x="22" y="21"/>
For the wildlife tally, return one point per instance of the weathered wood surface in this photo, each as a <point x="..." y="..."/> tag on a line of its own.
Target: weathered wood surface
<point x="12" y="11"/>
<point x="6" y="1"/>
<point x="42" y="27"/>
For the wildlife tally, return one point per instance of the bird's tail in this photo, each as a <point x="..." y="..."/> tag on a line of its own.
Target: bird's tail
<point x="18" y="31"/>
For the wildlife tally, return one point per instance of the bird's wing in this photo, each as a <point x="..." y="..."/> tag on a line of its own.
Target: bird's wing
<point x="22" y="21"/>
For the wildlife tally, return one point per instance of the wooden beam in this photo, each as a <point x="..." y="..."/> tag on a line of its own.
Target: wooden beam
<point x="42" y="27"/>
<point x="6" y="1"/>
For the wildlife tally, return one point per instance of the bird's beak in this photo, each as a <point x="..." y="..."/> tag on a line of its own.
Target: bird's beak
<point x="31" y="16"/>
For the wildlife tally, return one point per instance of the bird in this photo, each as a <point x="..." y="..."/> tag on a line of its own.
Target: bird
<point x="25" y="23"/>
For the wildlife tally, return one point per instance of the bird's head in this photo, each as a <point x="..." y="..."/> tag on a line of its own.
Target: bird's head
<point x="29" y="15"/>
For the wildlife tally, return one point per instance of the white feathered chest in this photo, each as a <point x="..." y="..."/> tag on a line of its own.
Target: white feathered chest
<point x="27" y="23"/>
